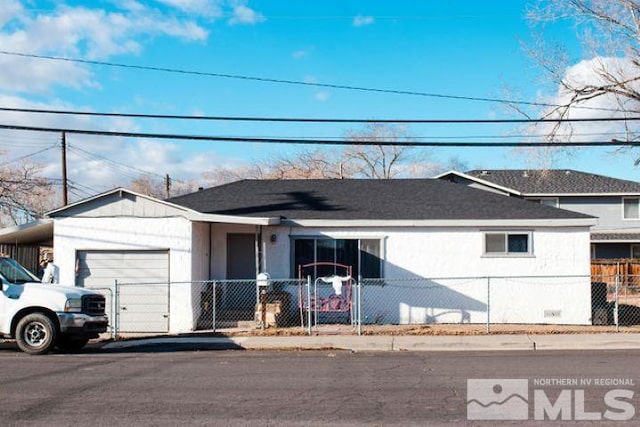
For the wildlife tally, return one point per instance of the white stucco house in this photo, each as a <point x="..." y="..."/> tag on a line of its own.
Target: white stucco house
<point x="414" y="230"/>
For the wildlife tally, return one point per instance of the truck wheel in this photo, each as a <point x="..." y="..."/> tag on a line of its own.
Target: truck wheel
<point x="70" y="344"/>
<point x="36" y="334"/>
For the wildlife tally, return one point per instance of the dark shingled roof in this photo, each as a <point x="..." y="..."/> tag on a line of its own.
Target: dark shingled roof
<point x="555" y="181"/>
<point x="395" y="199"/>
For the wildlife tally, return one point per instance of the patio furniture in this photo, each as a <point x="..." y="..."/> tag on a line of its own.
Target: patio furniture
<point x="331" y="293"/>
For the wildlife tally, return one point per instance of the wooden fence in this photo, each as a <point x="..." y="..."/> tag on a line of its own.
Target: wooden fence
<point x="627" y="270"/>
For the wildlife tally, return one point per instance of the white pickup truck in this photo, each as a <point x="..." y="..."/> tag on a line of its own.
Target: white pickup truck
<point x="40" y="316"/>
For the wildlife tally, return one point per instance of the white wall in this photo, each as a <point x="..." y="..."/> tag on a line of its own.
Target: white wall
<point x="127" y="233"/>
<point x="413" y="254"/>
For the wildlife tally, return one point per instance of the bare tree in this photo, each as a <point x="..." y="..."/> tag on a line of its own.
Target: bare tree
<point x="607" y="80"/>
<point x="306" y="164"/>
<point x="315" y="164"/>
<point x="148" y="185"/>
<point x="367" y="157"/>
<point x="24" y="194"/>
<point x="372" y="160"/>
<point x="227" y="174"/>
<point x="154" y="186"/>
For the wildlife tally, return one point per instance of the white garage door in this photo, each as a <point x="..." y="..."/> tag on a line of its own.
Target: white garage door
<point x="143" y="278"/>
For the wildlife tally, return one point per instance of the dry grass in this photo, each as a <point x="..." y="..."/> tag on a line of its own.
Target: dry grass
<point x="394" y="330"/>
<point x="439" y="329"/>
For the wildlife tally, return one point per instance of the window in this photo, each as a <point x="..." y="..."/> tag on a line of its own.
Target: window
<point x="363" y="255"/>
<point x="14" y="273"/>
<point x="635" y="251"/>
<point x="507" y="243"/>
<point x="630" y="208"/>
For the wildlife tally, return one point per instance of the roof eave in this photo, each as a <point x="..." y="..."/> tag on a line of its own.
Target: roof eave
<point x="40" y="230"/>
<point x="231" y="219"/>
<point x="501" y="223"/>
<point x="613" y="194"/>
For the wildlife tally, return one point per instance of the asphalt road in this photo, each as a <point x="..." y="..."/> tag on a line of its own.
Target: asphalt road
<point x="280" y="388"/>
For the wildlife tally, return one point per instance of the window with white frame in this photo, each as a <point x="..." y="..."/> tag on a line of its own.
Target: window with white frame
<point x="630" y="208"/>
<point x="363" y="255"/>
<point x="507" y="243"/>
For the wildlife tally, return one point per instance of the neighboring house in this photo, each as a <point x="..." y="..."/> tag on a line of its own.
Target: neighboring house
<point x="615" y="202"/>
<point x="388" y="229"/>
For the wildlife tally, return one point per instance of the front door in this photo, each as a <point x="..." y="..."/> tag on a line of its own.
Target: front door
<point x="241" y="271"/>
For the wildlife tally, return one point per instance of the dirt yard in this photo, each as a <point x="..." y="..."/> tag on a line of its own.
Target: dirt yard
<point x="439" y="329"/>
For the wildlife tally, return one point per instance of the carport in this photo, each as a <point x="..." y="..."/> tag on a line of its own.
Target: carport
<point x="24" y="242"/>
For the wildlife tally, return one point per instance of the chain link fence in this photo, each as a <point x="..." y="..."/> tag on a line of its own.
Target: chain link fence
<point x="554" y="304"/>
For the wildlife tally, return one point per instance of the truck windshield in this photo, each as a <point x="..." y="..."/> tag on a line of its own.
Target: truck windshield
<point x="13" y="272"/>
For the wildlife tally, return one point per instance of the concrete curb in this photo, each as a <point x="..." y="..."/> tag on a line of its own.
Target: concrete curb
<point x="606" y="341"/>
<point x="396" y="343"/>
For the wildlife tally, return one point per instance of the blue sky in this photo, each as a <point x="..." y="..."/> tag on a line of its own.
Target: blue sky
<point x="465" y="48"/>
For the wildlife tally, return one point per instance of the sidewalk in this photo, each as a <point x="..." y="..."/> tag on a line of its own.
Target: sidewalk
<point x="605" y="341"/>
<point x="496" y="342"/>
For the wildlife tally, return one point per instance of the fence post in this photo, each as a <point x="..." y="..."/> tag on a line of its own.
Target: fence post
<point x="359" y="294"/>
<point x="213" y="309"/>
<point x="488" y="305"/>
<point x="309" y="305"/>
<point x="263" y="309"/>
<point x="616" y="316"/>
<point x="116" y="311"/>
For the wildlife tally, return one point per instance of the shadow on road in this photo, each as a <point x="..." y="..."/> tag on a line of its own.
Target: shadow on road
<point x="9" y="347"/>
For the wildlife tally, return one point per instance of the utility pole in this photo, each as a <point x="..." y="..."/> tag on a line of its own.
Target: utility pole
<point x="65" y="189"/>
<point x="167" y="185"/>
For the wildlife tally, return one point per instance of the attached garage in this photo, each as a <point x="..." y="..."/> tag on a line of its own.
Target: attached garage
<point x="159" y="252"/>
<point x="143" y="285"/>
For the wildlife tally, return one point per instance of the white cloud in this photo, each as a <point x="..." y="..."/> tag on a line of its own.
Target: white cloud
<point x="9" y="10"/>
<point x="88" y="168"/>
<point x="242" y="14"/>
<point x="321" y="96"/>
<point x="82" y="32"/>
<point x="590" y="73"/>
<point x="206" y="8"/>
<point x="92" y="33"/>
<point x="362" y="20"/>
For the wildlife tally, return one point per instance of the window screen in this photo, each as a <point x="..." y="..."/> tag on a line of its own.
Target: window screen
<point x="507" y="243"/>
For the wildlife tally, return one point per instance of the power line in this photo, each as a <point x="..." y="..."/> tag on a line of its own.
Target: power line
<point x="106" y="163"/>
<point x="72" y="184"/>
<point x="17" y="159"/>
<point x="315" y="120"/>
<point x="119" y="164"/>
<point x="294" y="82"/>
<point x="612" y="143"/>
<point x="437" y="137"/>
